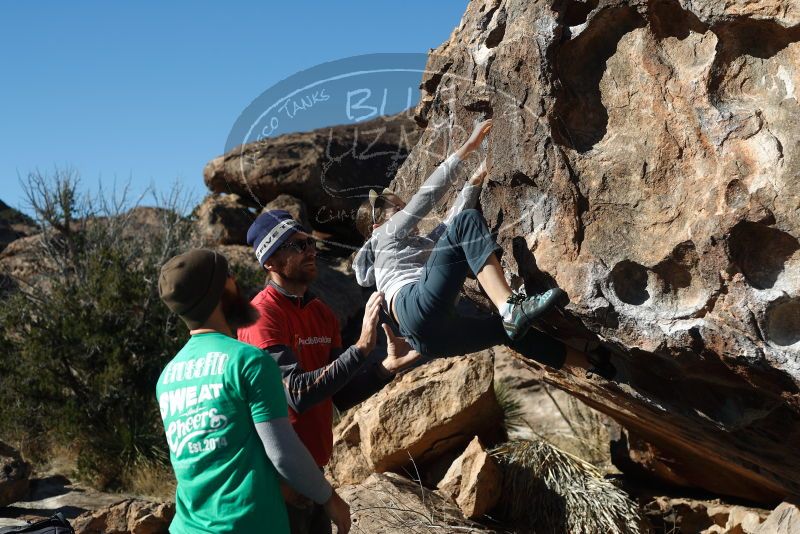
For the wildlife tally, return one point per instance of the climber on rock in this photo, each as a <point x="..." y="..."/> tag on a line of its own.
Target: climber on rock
<point x="422" y="275"/>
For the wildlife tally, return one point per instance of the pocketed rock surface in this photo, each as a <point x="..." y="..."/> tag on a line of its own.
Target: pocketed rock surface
<point x="645" y="159"/>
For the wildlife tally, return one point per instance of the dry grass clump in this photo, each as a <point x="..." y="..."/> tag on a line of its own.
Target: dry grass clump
<point x="389" y="503"/>
<point x="548" y="490"/>
<point x="151" y="479"/>
<point x="588" y="438"/>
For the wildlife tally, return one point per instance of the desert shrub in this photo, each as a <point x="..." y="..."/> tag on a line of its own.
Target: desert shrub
<point x="85" y="338"/>
<point x="548" y="490"/>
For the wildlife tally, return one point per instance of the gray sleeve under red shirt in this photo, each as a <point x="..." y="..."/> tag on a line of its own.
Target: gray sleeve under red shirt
<point x="348" y="379"/>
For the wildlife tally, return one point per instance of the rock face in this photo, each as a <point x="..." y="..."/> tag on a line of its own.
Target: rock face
<point x="55" y="493"/>
<point x="474" y="481"/>
<point x="25" y="258"/>
<point x="19" y="259"/>
<point x="645" y="160"/>
<point x="127" y="517"/>
<point x="421" y="415"/>
<point x="14" y="476"/>
<point x="330" y="169"/>
<point x="14" y="226"/>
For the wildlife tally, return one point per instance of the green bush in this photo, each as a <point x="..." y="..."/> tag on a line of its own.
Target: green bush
<point x="85" y="338"/>
<point x="249" y="277"/>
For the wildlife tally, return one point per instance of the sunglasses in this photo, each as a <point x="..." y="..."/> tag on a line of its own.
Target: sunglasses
<point x="300" y="245"/>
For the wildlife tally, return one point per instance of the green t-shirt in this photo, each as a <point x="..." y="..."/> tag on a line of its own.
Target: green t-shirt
<point x="210" y="396"/>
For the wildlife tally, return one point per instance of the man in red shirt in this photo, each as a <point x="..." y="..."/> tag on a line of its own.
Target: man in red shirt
<point x="302" y="334"/>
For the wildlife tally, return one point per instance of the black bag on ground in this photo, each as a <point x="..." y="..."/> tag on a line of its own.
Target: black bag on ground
<point x="55" y="525"/>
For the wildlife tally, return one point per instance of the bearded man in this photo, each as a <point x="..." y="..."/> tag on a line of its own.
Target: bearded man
<point x="225" y="414"/>
<point x="303" y="336"/>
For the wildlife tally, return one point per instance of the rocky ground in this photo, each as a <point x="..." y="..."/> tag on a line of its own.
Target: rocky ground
<point x="453" y="483"/>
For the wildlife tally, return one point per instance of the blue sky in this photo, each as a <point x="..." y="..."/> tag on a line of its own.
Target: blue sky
<point x="148" y="91"/>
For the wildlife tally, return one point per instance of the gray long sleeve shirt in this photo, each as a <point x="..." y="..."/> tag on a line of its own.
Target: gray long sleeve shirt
<point x="292" y="460"/>
<point x="349" y="379"/>
<point x="395" y="253"/>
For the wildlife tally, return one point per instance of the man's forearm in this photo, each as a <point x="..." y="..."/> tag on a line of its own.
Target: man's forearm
<point x="292" y="460"/>
<point x="304" y="389"/>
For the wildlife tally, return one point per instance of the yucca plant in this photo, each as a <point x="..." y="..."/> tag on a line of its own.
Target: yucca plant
<point x="511" y="406"/>
<point x="547" y="490"/>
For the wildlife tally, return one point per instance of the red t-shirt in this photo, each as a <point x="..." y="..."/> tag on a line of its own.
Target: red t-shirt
<point x="311" y="330"/>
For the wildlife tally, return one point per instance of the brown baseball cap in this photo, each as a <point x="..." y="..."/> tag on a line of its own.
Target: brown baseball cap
<point x="191" y="284"/>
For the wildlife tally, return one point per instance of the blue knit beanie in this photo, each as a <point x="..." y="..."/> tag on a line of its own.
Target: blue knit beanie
<point x="269" y="231"/>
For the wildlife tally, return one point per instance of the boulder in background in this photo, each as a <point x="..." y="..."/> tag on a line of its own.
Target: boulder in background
<point x="223" y="220"/>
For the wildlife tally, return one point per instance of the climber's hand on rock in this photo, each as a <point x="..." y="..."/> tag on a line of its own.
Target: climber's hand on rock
<point x="399" y="354"/>
<point x="369" y="326"/>
<point x="480" y="174"/>
<point x="475" y="139"/>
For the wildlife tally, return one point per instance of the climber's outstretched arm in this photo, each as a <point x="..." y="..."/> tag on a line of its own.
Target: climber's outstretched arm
<point x="437" y="184"/>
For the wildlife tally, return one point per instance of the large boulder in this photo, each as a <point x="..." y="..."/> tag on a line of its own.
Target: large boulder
<point x="14" y="475"/>
<point x="131" y="516"/>
<point x="330" y="169"/>
<point x="223" y="220"/>
<point x="645" y="158"/>
<point x="419" y="417"/>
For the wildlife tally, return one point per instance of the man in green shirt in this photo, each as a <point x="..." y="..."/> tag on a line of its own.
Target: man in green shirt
<point x="225" y="413"/>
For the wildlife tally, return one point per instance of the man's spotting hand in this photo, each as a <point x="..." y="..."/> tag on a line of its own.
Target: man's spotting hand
<point x="369" y="326"/>
<point x="338" y="511"/>
<point x="399" y="353"/>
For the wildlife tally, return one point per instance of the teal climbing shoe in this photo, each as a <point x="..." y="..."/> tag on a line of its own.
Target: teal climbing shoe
<point x="525" y="309"/>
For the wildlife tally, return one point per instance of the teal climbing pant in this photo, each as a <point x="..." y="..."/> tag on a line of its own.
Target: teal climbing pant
<point x="426" y="309"/>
